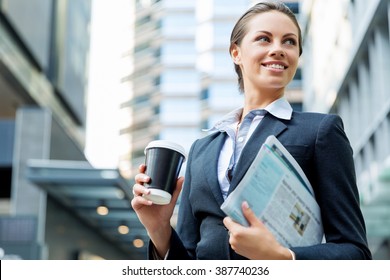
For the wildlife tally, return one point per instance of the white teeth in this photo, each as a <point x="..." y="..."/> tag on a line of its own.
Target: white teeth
<point x="276" y="66"/>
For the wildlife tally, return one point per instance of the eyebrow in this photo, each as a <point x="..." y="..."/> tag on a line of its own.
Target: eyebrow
<point x="270" y="34"/>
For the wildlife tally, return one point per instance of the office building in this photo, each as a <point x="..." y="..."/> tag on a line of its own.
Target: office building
<point x="346" y="67"/>
<point x="49" y="191"/>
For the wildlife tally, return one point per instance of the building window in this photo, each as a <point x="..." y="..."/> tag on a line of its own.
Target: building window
<point x="204" y="95"/>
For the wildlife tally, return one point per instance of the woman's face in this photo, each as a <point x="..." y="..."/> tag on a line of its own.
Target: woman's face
<point x="268" y="54"/>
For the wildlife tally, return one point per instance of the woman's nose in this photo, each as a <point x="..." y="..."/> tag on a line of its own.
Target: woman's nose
<point x="277" y="50"/>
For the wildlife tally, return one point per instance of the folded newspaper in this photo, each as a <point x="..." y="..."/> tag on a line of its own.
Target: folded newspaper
<point x="279" y="193"/>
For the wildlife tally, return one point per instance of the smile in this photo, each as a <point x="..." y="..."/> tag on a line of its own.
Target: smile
<point x="275" y="66"/>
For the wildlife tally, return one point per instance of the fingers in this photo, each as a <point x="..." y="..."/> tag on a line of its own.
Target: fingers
<point x="232" y="226"/>
<point x="228" y="223"/>
<point x="249" y="214"/>
<point x="142" y="168"/>
<point x="138" y="199"/>
<point x="140" y="190"/>
<point x="138" y="202"/>
<point x="141" y="177"/>
<point x="235" y="232"/>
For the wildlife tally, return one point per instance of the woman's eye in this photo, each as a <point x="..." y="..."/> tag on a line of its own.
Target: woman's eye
<point x="290" y="42"/>
<point x="263" y="39"/>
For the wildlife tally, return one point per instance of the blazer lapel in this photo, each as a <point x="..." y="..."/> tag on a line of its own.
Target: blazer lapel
<point x="268" y="126"/>
<point x="210" y="165"/>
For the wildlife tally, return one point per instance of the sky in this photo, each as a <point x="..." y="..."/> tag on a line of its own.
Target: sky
<point x="108" y="27"/>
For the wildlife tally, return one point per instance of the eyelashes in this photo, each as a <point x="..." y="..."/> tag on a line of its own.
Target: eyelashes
<point x="263" y="39"/>
<point x="267" y="39"/>
<point x="290" y="42"/>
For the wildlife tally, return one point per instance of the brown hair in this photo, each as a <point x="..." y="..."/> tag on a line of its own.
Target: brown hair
<point x="239" y="31"/>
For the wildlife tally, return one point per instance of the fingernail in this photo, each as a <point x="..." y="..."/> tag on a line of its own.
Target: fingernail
<point x="245" y="205"/>
<point x="145" y="177"/>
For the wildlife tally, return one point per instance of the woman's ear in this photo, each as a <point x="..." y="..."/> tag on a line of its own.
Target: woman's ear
<point x="235" y="54"/>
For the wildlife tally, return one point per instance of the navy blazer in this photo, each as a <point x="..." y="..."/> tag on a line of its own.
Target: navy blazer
<point x="320" y="146"/>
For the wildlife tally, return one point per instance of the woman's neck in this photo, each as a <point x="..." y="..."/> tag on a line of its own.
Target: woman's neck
<point x="259" y="100"/>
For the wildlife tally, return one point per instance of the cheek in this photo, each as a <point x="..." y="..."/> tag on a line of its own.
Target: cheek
<point x="293" y="64"/>
<point x="293" y="57"/>
<point x="254" y="59"/>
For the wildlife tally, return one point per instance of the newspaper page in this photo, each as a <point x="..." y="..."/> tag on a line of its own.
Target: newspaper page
<point x="280" y="195"/>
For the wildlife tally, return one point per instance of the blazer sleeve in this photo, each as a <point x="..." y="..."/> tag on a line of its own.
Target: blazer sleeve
<point x="334" y="181"/>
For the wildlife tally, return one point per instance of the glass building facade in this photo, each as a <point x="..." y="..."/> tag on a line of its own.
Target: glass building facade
<point x="345" y="72"/>
<point x="44" y="175"/>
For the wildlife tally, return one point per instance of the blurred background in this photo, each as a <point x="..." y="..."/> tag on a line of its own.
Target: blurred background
<point x="85" y="85"/>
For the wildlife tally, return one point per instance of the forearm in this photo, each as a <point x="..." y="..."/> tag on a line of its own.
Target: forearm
<point x="161" y="239"/>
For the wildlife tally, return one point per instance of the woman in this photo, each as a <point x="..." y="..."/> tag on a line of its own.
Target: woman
<point x="265" y="47"/>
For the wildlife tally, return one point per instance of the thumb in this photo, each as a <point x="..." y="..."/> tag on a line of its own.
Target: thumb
<point x="249" y="214"/>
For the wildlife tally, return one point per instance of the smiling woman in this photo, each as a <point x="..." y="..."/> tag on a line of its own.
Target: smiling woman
<point x="265" y="47"/>
<point x="272" y="42"/>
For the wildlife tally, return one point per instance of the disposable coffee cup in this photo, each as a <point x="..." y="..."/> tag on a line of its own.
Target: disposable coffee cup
<point x="163" y="160"/>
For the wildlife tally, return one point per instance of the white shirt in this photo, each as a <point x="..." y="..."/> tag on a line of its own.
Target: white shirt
<point x="280" y="108"/>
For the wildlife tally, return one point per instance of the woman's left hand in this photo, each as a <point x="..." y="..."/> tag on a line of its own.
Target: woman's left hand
<point x="254" y="242"/>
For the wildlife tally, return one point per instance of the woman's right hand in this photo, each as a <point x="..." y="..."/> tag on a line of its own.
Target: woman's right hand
<point x="155" y="218"/>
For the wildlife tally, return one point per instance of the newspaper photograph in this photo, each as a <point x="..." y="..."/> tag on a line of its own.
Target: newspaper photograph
<point x="280" y="195"/>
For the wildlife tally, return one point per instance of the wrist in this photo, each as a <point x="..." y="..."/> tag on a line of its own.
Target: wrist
<point x="286" y="254"/>
<point x="292" y="254"/>
<point x="161" y="239"/>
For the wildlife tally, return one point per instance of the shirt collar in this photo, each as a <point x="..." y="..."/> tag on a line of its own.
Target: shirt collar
<point x="280" y="109"/>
